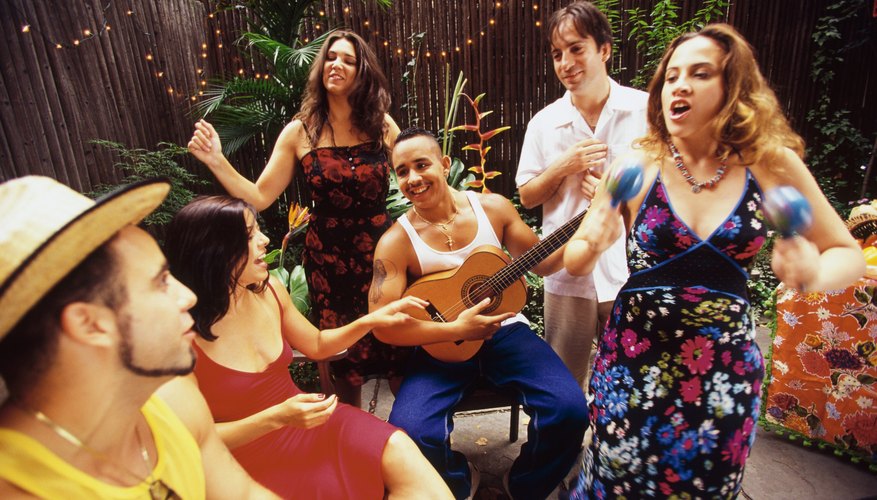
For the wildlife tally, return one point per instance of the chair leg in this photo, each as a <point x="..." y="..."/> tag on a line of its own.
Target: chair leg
<point x="325" y="378"/>
<point x="514" y="421"/>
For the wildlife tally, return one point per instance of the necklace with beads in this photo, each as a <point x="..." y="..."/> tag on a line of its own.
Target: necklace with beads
<point x="442" y="226"/>
<point x="696" y="186"/>
<point x="157" y="488"/>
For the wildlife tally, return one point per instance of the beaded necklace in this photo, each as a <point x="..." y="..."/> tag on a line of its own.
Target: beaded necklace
<point x="696" y="186"/>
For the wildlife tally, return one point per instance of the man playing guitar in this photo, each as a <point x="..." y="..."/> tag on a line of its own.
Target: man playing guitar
<point x="439" y="233"/>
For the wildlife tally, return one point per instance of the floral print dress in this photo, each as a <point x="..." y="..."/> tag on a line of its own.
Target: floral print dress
<point x="677" y="376"/>
<point x="348" y="186"/>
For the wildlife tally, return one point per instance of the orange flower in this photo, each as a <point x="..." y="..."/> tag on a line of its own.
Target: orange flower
<point x="813" y="340"/>
<point x="298" y="217"/>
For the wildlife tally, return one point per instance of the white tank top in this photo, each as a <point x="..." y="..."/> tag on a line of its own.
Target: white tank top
<point x="433" y="261"/>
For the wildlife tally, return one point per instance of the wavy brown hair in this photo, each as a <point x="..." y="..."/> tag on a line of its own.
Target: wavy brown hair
<point x="750" y="122"/>
<point x="370" y="99"/>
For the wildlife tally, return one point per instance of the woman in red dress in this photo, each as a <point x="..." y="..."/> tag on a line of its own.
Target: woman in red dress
<point x="340" y="137"/>
<point x="297" y="444"/>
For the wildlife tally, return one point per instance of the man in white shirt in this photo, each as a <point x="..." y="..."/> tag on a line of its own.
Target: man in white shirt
<point x="567" y="147"/>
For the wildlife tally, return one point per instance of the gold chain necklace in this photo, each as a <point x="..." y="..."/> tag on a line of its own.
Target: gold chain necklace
<point x="442" y="226"/>
<point x="696" y="186"/>
<point x="158" y="490"/>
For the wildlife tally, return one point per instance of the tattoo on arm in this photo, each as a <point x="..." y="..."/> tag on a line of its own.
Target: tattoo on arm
<point x="379" y="275"/>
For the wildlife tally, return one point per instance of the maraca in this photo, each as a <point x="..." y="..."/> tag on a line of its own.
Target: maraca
<point x="787" y="210"/>
<point x="625" y="182"/>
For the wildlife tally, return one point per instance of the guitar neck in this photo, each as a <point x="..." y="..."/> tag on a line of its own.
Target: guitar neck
<point x="532" y="257"/>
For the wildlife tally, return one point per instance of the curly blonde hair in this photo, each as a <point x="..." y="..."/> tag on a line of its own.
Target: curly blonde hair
<point x="750" y="123"/>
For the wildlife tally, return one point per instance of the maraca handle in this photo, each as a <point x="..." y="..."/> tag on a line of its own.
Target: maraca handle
<point x="787" y="210"/>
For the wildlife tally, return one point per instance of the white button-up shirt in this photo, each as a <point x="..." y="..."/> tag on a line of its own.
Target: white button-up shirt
<point x="551" y="132"/>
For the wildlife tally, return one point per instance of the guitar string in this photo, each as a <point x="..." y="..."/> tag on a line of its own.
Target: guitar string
<point x="564" y="232"/>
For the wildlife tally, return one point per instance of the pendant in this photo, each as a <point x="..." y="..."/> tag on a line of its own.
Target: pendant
<point x="695" y="188"/>
<point x="449" y="242"/>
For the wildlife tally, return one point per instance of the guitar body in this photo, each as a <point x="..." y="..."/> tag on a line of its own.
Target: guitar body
<point x="451" y="292"/>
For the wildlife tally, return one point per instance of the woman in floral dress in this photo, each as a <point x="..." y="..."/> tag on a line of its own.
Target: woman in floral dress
<point x="677" y="376"/>
<point x="340" y="137"/>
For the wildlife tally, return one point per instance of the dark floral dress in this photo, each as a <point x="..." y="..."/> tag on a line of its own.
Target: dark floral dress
<point x="349" y="189"/>
<point x="677" y="375"/>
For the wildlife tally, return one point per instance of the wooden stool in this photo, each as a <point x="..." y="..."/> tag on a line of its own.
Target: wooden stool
<point x="485" y="397"/>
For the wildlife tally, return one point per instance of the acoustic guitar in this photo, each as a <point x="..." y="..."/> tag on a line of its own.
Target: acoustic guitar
<point x="487" y="272"/>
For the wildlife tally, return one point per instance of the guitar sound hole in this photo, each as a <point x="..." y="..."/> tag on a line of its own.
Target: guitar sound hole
<point x="475" y="290"/>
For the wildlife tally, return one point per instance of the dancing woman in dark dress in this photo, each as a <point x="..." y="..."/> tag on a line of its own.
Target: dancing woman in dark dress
<point x="677" y="376"/>
<point x="340" y="137"/>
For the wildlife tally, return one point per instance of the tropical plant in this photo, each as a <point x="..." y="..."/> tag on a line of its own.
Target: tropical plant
<point x="294" y="280"/>
<point x="244" y="107"/>
<point x="141" y="164"/>
<point x="654" y="30"/>
<point x="480" y="169"/>
<point x="409" y="80"/>
<point x="837" y="143"/>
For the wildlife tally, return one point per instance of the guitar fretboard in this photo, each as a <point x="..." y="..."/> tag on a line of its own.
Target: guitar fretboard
<point x="532" y="257"/>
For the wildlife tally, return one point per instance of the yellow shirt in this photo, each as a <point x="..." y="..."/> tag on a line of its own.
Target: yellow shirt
<point x="32" y="467"/>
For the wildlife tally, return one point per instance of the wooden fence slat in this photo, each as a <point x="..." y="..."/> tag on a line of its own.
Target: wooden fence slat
<point x="52" y="102"/>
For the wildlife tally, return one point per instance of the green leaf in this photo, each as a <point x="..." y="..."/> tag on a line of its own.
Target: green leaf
<point x="298" y="289"/>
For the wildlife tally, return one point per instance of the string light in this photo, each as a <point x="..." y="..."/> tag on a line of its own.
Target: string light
<point x="86" y="32"/>
<point x="148" y="56"/>
<point x="25" y="28"/>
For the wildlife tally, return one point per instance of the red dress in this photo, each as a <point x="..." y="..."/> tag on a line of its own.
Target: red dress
<point x="339" y="459"/>
<point x="348" y="186"/>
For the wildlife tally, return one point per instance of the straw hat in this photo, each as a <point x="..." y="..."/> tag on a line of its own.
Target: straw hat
<point x="47" y="229"/>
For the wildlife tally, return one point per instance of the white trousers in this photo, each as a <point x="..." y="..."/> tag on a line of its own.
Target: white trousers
<point x="571" y="326"/>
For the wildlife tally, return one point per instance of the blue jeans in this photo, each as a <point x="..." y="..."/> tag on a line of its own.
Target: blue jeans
<point x="514" y="358"/>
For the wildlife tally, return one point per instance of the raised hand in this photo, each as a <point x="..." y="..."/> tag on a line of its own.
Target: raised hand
<point x="795" y="260"/>
<point x="306" y="411"/>
<point x="205" y="144"/>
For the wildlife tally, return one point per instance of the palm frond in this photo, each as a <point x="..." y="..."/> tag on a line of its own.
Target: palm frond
<point x="240" y="91"/>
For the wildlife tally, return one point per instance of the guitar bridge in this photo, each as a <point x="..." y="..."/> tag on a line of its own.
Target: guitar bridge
<point x="437" y="317"/>
<point x="434" y="314"/>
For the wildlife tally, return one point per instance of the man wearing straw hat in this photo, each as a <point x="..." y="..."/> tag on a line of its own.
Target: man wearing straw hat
<point x="94" y="332"/>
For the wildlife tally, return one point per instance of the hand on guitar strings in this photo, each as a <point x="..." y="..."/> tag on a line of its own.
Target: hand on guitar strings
<point x="476" y="326"/>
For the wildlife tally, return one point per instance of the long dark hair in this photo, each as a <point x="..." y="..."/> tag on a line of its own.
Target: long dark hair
<point x="369" y="99"/>
<point x="207" y="245"/>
